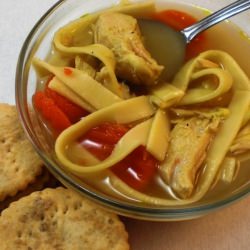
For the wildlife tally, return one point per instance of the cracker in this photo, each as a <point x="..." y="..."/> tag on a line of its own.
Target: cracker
<point x="60" y="219"/>
<point x="42" y="181"/>
<point x="19" y="164"/>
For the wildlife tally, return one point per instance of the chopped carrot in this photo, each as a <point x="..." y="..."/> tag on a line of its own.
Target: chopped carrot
<point x="49" y="111"/>
<point x="70" y="109"/>
<point x="137" y="169"/>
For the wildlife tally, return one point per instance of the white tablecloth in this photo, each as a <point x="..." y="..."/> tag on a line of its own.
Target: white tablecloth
<point x="227" y="229"/>
<point x="17" y="17"/>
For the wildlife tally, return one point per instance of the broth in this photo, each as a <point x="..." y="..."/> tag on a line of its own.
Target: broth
<point x="226" y="37"/>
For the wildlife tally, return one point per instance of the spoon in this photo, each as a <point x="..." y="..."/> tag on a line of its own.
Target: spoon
<point x="172" y="54"/>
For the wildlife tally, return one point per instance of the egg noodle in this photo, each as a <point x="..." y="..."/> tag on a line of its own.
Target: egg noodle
<point x="110" y="102"/>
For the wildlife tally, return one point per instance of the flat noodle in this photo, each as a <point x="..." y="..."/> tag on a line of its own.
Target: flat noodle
<point x="215" y="157"/>
<point x="207" y="113"/>
<point x="219" y="80"/>
<point x="220" y="146"/>
<point x="189" y="71"/>
<point x="180" y="93"/>
<point x="192" y="71"/>
<point x="166" y="95"/>
<point x="63" y="42"/>
<point x="58" y="86"/>
<point x="243" y="157"/>
<point x="229" y="169"/>
<point x="217" y="151"/>
<point x="136" y="136"/>
<point x="199" y="95"/>
<point x="82" y="85"/>
<point x="246" y="118"/>
<point x="158" y="138"/>
<point x="229" y="129"/>
<point x="104" y="54"/>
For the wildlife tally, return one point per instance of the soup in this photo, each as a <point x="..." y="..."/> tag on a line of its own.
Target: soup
<point x="124" y="129"/>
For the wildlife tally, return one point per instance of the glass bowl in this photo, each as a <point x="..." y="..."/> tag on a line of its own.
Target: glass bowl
<point x="38" y="43"/>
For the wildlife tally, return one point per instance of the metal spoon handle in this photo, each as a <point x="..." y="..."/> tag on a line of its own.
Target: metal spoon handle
<point x="218" y="16"/>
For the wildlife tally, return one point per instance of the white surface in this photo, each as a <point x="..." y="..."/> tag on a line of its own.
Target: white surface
<point x="17" y="17"/>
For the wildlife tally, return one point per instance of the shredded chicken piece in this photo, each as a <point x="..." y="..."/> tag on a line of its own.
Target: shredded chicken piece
<point x="189" y="141"/>
<point x="90" y="66"/>
<point x="87" y="65"/>
<point x="121" y="34"/>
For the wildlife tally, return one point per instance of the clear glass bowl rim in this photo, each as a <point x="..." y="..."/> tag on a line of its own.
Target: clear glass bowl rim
<point x="158" y="214"/>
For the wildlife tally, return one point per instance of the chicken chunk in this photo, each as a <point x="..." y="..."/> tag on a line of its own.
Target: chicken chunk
<point x="86" y="64"/>
<point x="121" y="34"/>
<point x="189" y="141"/>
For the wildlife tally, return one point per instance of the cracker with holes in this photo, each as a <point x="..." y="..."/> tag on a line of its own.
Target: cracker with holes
<point x="19" y="164"/>
<point x="45" y="179"/>
<point x="60" y="219"/>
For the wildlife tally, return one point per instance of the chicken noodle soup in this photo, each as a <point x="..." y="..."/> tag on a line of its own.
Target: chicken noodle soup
<point x="123" y="128"/>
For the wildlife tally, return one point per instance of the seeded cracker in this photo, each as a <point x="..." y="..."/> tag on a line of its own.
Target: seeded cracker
<point x="60" y="219"/>
<point x="19" y="164"/>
